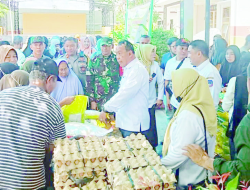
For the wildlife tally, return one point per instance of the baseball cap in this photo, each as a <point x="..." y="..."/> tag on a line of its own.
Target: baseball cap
<point x="37" y="39"/>
<point x="106" y="41"/>
<point x="182" y="42"/>
<point x="47" y="66"/>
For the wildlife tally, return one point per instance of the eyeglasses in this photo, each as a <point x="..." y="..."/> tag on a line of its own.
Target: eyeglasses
<point x="11" y="77"/>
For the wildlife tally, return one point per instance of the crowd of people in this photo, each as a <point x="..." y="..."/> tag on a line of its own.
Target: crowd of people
<point x="36" y="80"/>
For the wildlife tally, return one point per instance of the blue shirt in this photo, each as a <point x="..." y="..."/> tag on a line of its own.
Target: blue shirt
<point x="165" y="58"/>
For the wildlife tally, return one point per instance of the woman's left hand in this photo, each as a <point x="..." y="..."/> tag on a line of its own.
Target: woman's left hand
<point x="150" y="79"/>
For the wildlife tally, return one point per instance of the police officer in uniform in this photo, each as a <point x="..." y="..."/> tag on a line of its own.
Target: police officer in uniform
<point x="198" y="52"/>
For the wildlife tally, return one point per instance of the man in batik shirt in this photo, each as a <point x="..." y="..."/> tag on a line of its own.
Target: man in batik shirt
<point x="102" y="75"/>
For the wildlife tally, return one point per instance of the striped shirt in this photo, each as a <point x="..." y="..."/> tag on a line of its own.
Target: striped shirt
<point x="29" y="121"/>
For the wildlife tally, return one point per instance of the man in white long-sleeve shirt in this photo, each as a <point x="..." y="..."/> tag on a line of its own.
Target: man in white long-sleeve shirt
<point x="198" y="53"/>
<point x="130" y="103"/>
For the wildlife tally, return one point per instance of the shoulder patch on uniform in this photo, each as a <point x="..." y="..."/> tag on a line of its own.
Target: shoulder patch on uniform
<point x="210" y="83"/>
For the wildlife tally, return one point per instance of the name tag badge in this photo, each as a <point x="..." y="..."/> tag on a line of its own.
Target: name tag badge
<point x="210" y="83"/>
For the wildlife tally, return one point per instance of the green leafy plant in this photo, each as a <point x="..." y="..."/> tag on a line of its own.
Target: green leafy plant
<point x="233" y="184"/>
<point x="159" y="39"/>
<point x="222" y="180"/>
<point x="118" y="33"/>
<point x="3" y="10"/>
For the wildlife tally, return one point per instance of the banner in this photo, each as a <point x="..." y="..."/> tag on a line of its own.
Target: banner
<point x="138" y="22"/>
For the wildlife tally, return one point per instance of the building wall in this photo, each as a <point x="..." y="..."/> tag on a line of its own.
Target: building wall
<point x="46" y="24"/>
<point x="199" y="18"/>
<point x="221" y="25"/>
<point x="240" y="22"/>
<point x="173" y="15"/>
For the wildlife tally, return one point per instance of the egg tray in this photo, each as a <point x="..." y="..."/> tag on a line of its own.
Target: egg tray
<point x="119" y="155"/>
<point x="112" y="139"/>
<point x="116" y="166"/>
<point x="145" y="178"/>
<point x="116" y="146"/>
<point x="133" y="137"/>
<point x="91" y="146"/>
<point x="63" y="142"/>
<point x="94" y="158"/>
<point x="98" y="183"/>
<point x="97" y="186"/>
<point x="79" y="174"/>
<point x="67" y="162"/>
<point x="120" y="181"/>
<point x="68" y="188"/>
<point x="153" y="159"/>
<point x="67" y="185"/>
<point x="134" y="162"/>
<point x="139" y="144"/>
<point x="146" y="182"/>
<point x="163" y="175"/>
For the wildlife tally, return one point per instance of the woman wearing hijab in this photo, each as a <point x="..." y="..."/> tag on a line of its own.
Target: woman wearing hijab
<point x="231" y="66"/>
<point x="46" y="51"/>
<point x="235" y="101"/>
<point x="85" y="46"/>
<point x="7" y="68"/>
<point x="55" y="47"/>
<point x="241" y="162"/>
<point x="8" y="54"/>
<point x="194" y="122"/>
<point x="98" y="49"/>
<point x="218" y="52"/>
<point x="70" y="85"/>
<point x="15" y="79"/>
<point x="146" y="54"/>
<point x="92" y="41"/>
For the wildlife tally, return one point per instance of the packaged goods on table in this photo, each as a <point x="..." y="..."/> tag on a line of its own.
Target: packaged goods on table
<point x="94" y="163"/>
<point x="222" y="141"/>
<point x="75" y="111"/>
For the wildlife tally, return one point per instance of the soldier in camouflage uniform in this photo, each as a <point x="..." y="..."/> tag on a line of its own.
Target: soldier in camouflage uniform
<point x="37" y="46"/>
<point x="102" y="75"/>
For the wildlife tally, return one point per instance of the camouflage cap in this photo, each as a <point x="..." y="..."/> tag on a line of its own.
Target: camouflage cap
<point x="37" y="39"/>
<point x="106" y="41"/>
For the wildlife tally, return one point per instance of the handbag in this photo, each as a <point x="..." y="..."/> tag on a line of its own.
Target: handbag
<point x="168" y="87"/>
<point x="203" y="182"/>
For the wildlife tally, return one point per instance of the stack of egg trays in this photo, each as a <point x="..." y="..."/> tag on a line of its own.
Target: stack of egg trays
<point x="131" y="180"/>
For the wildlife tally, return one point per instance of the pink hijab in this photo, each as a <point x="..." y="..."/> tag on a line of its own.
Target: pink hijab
<point x="87" y="50"/>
